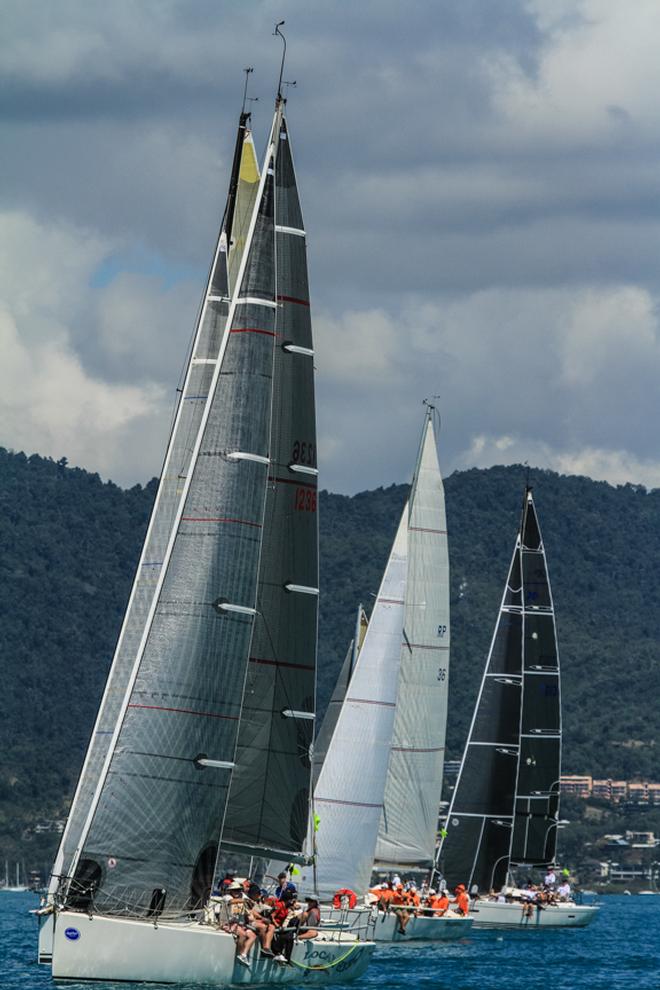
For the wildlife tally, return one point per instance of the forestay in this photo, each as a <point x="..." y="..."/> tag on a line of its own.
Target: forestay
<point x="409" y="820"/>
<point x="505" y="804"/>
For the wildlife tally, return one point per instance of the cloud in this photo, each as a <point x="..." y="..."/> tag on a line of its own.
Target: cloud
<point x="50" y="402"/>
<point x="480" y="193"/>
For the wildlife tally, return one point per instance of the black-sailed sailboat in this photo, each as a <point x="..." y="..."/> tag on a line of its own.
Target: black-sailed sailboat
<point x="504" y="811"/>
<point x="201" y="748"/>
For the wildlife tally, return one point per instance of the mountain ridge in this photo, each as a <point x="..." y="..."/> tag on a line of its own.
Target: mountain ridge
<point x="69" y="543"/>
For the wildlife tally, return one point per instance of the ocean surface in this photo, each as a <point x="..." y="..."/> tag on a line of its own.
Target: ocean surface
<point x="621" y="949"/>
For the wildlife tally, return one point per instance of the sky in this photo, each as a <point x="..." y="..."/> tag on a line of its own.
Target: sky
<point x="480" y="183"/>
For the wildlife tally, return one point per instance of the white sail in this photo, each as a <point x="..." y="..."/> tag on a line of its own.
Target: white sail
<point x="408" y="825"/>
<point x="349" y="794"/>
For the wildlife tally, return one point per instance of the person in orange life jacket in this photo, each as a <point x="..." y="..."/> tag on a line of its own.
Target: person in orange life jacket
<point x="399" y="903"/>
<point x="439" y="902"/>
<point x="462" y="900"/>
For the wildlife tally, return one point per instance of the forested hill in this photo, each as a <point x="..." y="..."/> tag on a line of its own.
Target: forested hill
<point x="69" y="543"/>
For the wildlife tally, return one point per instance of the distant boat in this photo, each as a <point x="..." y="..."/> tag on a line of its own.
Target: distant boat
<point x="200" y="758"/>
<point x="18" y="887"/>
<point x="504" y="810"/>
<point x="377" y="792"/>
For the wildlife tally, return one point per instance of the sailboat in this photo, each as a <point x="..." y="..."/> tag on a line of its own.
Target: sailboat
<point x="200" y="755"/>
<point x="377" y="793"/>
<point x="18" y="887"/>
<point x="504" y="811"/>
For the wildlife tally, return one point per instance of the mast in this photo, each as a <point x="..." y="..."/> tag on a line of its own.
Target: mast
<point x="176" y="466"/>
<point x="505" y="804"/>
<point x="409" y="821"/>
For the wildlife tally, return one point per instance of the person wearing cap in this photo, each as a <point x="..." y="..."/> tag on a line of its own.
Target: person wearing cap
<point x="283" y="884"/>
<point x="286" y="923"/>
<point x="309" y="919"/>
<point x="398" y="902"/>
<point x="439" y="903"/>
<point x="259" y="921"/>
<point x="462" y="900"/>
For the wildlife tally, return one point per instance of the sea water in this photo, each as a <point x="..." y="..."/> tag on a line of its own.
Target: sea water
<point x="620" y="949"/>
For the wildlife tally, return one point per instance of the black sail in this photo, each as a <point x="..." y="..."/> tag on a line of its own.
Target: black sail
<point x="505" y="805"/>
<point x="267" y="812"/>
<point x="534" y="837"/>
<point x="155" y="821"/>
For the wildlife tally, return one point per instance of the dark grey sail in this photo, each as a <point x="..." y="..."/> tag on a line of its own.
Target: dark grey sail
<point x="267" y="812"/>
<point x="153" y="828"/>
<point x="505" y="804"/>
<point x="192" y="401"/>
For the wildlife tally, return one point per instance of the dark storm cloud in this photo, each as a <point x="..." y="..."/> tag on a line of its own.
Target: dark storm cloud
<point x="480" y="189"/>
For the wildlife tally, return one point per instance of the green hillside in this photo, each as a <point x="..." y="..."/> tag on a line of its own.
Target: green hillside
<point x="69" y="543"/>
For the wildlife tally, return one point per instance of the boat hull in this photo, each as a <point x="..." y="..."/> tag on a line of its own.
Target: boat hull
<point x="496" y="914"/>
<point x="122" y="949"/>
<point x="418" y="929"/>
<point x="46" y="933"/>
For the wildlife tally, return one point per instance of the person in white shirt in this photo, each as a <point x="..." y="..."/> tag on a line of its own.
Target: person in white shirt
<point x="564" y="890"/>
<point x="550" y="878"/>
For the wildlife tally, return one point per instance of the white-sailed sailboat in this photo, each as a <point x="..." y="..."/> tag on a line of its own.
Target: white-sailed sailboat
<point x="201" y="749"/>
<point x="378" y="791"/>
<point x="504" y="810"/>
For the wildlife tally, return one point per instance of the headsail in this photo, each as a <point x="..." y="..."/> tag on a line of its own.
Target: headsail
<point x="348" y="797"/>
<point x="409" y="822"/>
<point x="505" y="805"/>
<point x="176" y="467"/>
<point x="329" y="723"/>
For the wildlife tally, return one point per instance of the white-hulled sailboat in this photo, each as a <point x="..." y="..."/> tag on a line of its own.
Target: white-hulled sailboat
<point x="200" y="752"/>
<point x="504" y="811"/>
<point x="377" y="795"/>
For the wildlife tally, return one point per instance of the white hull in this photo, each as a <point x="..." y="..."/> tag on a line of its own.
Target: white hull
<point x="496" y="914"/>
<point x="102" y="948"/>
<point x="46" y="933"/>
<point x="419" y="929"/>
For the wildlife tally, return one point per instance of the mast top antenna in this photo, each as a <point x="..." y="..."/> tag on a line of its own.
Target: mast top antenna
<point x="252" y="99"/>
<point x="279" y="84"/>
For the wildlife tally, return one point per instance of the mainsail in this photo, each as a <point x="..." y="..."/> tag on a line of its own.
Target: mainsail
<point x="217" y="681"/>
<point x="378" y="792"/>
<point x="176" y="467"/>
<point x="505" y="806"/>
<point x="409" y="822"/>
